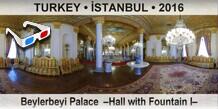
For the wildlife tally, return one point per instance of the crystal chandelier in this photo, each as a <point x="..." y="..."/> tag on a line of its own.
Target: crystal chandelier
<point x="137" y="44"/>
<point x="111" y="48"/>
<point x="109" y="40"/>
<point x="180" y="35"/>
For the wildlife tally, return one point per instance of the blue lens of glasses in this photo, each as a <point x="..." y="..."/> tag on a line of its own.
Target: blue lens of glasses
<point x="29" y="40"/>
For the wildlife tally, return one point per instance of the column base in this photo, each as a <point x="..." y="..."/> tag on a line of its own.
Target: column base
<point x="99" y="70"/>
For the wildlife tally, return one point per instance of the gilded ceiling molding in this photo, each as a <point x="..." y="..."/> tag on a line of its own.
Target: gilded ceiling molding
<point x="124" y="46"/>
<point x="87" y="31"/>
<point x="214" y="30"/>
<point x="89" y="38"/>
<point x="205" y="32"/>
<point x="124" y="20"/>
<point x="76" y="29"/>
<point x="56" y="24"/>
<point x="98" y="19"/>
<point x="139" y="21"/>
<point x="127" y="44"/>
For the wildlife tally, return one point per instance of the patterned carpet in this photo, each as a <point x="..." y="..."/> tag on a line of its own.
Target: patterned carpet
<point x="168" y="79"/>
<point x="160" y="79"/>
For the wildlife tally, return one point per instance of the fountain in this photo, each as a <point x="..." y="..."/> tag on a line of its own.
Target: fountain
<point x="137" y="65"/>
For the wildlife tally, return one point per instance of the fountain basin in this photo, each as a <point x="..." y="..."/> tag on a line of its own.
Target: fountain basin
<point x="134" y="65"/>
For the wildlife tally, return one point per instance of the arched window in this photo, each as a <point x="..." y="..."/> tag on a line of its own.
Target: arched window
<point x="202" y="48"/>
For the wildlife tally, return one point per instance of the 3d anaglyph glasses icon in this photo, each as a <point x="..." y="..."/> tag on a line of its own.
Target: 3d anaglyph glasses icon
<point x="30" y="40"/>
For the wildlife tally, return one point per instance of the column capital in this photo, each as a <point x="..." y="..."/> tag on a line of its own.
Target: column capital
<point x="2" y="30"/>
<point x="158" y="37"/>
<point x="88" y="38"/>
<point x="98" y="19"/>
<point x="56" y="24"/>
<point x="76" y="29"/>
<point x="141" y="30"/>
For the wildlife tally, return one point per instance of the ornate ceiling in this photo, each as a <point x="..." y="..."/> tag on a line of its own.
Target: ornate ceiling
<point x="161" y="24"/>
<point x="118" y="30"/>
<point x="123" y="28"/>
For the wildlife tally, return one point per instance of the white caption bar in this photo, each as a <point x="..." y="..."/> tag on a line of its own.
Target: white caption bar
<point x="109" y="7"/>
<point x="109" y="101"/>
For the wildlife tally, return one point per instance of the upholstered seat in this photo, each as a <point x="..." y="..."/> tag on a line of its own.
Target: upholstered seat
<point x="44" y="66"/>
<point x="23" y="64"/>
<point x="159" y="59"/>
<point x="204" y="62"/>
<point x="68" y="66"/>
<point x="2" y="62"/>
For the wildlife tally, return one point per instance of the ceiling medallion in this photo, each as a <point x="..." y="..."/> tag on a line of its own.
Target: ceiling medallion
<point x="180" y="35"/>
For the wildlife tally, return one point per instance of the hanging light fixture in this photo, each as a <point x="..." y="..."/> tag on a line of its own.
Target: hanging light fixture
<point x="180" y="35"/>
<point x="109" y="40"/>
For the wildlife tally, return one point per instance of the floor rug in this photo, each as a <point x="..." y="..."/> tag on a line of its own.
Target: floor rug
<point x="168" y="79"/>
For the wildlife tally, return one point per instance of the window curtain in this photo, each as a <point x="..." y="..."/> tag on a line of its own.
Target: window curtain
<point x="184" y="51"/>
<point x="186" y="47"/>
<point x="203" y="48"/>
<point x="8" y="44"/>
<point x="207" y="37"/>
<point x="8" y="47"/>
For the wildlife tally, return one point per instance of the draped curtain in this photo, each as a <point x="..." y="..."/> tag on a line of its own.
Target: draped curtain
<point x="186" y="49"/>
<point x="8" y="45"/>
<point x="207" y="36"/>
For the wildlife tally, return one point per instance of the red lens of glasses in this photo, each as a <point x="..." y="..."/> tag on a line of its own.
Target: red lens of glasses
<point x="44" y="34"/>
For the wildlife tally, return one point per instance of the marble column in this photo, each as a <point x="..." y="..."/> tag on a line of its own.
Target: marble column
<point x="217" y="49"/>
<point x="127" y="50"/>
<point x="124" y="51"/>
<point x="99" y="33"/>
<point x="74" y="51"/>
<point x="158" y="48"/>
<point x="141" y="37"/>
<point x="148" y="48"/>
<point x="88" y="52"/>
<point x="213" y="44"/>
<point x="93" y="52"/>
<point x="3" y="43"/>
<point x="173" y="51"/>
<point x="56" y="41"/>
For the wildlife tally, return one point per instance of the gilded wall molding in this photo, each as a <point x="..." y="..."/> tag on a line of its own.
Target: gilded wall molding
<point x="211" y="29"/>
<point x="76" y="29"/>
<point x="98" y="19"/>
<point x="56" y="24"/>
<point x="2" y="30"/>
